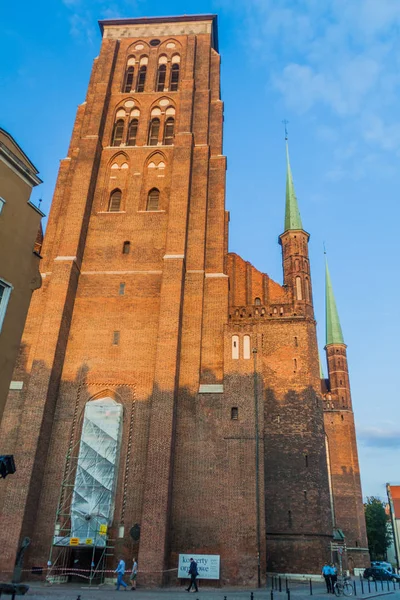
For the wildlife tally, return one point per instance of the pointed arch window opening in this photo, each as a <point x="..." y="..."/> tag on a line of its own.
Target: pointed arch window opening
<point x="141" y="78"/>
<point x="174" y="79"/>
<point x="154" y="131"/>
<point x="299" y="290"/>
<point x="114" y="204"/>
<point x="169" y="128"/>
<point x="132" y="132"/>
<point x="118" y="133"/>
<point x="161" y="77"/>
<point x="128" y="82"/>
<point x="153" y="199"/>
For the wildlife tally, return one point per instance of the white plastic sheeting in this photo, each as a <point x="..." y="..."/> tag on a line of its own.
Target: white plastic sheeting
<point x="97" y="469"/>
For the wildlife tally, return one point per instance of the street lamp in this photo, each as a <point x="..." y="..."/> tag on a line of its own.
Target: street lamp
<point x="257" y="467"/>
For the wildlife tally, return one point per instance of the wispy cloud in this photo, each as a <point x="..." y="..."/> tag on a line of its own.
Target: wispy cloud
<point x="84" y="14"/>
<point x="340" y="57"/>
<point x="379" y="437"/>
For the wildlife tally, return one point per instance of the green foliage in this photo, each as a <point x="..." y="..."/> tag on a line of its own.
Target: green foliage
<point x="378" y="536"/>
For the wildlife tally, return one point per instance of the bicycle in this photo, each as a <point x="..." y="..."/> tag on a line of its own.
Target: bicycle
<point x="343" y="587"/>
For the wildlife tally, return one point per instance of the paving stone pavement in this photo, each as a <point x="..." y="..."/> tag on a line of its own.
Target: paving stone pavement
<point x="39" y="591"/>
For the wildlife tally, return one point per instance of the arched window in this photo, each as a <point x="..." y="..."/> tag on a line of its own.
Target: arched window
<point x="115" y="201"/>
<point x="246" y="346"/>
<point x="174" y="83"/>
<point x="141" y="78"/>
<point x="299" y="290"/>
<point x="118" y="133"/>
<point x="154" y="130"/>
<point x="132" y="133"/>
<point x="128" y="81"/>
<point x="153" y="199"/>
<point x="97" y="468"/>
<point x="235" y="347"/>
<point x="307" y="289"/>
<point x="161" y="75"/>
<point x="126" y="248"/>
<point x="169" y="131"/>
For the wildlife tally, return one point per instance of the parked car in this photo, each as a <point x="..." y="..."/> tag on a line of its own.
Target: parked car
<point x="381" y="563"/>
<point x="380" y="574"/>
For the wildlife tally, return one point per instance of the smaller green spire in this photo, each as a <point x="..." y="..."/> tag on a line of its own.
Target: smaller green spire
<point x="334" y="333"/>
<point x="292" y="213"/>
<point x="321" y="370"/>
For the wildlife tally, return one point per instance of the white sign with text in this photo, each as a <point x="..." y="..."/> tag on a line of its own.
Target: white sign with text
<point x="207" y="565"/>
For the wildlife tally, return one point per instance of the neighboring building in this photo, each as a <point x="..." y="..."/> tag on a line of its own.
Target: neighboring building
<point x="391" y="550"/>
<point x="393" y="493"/>
<point x="19" y="265"/>
<point x="153" y="358"/>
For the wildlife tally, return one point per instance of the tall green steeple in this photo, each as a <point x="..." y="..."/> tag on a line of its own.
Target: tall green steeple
<point x="334" y="333"/>
<point x="292" y="213"/>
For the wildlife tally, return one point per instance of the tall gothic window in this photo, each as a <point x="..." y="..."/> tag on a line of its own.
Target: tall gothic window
<point x="169" y="131"/>
<point x="153" y="199"/>
<point x="132" y="133"/>
<point x="154" y="130"/>
<point x="141" y="78"/>
<point x="118" y="133"/>
<point x="174" y="80"/>
<point x="161" y="75"/>
<point x="114" y="204"/>
<point x="128" y="81"/>
<point x="299" y="289"/>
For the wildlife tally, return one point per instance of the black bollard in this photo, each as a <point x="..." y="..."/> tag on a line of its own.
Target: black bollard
<point x="272" y="595"/>
<point x="251" y="596"/>
<point x="287" y="587"/>
<point x="369" y="587"/>
<point x="362" y="586"/>
<point x="224" y="597"/>
<point x="355" y="588"/>
<point x="288" y="594"/>
<point x="382" y="584"/>
<point x="310" y="587"/>
<point x="387" y="584"/>
<point x="376" y="585"/>
<point x="280" y="583"/>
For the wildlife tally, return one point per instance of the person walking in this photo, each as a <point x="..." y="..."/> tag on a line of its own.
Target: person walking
<point x="134" y="575"/>
<point x="193" y="572"/>
<point x="120" y="570"/>
<point x="333" y="576"/>
<point x="327" y="572"/>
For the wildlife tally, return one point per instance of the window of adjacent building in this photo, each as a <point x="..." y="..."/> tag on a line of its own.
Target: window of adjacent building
<point x="299" y="291"/>
<point x="154" y="130"/>
<point x="126" y="248"/>
<point x="161" y="76"/>
<point x="118" y="133"/>
<point x="169" y="131"/>
<point x="114" y="204"/>
<point x="246" y="346"/>
<point x="128" y="81"/>
<point x="5" y="291"/>
<point x="132" y="133"/>
<point x="141" y="78"/>
<point x="2" y="203"/>
<point x="234" y="413"/>
<point x="153" y="199"/>
<point x="235" y="347"/>
<point x="174" y="77"/>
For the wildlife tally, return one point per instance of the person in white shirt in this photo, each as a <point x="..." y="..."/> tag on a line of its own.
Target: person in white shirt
<point x="120" y="570"/>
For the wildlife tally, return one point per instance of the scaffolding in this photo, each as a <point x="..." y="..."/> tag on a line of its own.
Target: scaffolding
<point x="81" y="542"/>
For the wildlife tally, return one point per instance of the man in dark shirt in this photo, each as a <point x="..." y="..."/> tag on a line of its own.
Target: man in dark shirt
<point x="193" y="574"/>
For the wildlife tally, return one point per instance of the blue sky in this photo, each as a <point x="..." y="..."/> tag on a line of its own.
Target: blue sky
<point x="332" y="69"/>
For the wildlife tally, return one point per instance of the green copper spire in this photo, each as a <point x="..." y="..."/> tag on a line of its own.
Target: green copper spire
<point x="321" y="370"/>
<point x="334" y="333"/>
<point x="292" y="213"/>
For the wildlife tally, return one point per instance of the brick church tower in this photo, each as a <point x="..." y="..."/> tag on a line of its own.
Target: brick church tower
<point x="168" y="398"/>
<point x="341" y="439"/>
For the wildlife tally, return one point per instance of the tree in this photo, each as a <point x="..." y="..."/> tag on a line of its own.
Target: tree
<point x="376" y="519"/>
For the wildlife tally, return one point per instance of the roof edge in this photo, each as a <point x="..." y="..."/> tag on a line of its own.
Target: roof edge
<point x="178" y="19"/>
<point x="13" y="140"/>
